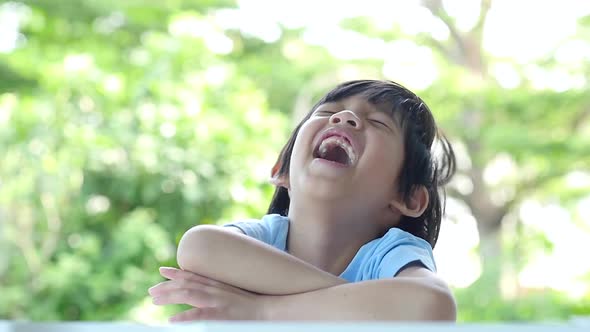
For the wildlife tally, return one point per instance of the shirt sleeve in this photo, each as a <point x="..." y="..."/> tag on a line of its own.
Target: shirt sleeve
<point x="271" y="229"/>
<point x="408" y="250"/>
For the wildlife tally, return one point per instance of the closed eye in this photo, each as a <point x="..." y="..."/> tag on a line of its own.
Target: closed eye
<point x="381" y="123"/>
<point x="324" y="113"/>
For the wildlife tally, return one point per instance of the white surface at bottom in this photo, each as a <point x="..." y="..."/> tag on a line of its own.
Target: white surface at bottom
<point x="16" y="326"/>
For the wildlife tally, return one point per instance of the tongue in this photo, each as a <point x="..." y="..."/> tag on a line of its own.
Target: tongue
<point x="336" y="154"/>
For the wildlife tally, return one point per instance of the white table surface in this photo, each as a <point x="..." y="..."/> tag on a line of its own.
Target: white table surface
<point x="582" y="325"/>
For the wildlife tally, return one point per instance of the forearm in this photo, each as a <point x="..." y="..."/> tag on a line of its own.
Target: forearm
<point x="405" y="299"/>
<point x="249" y="264"/>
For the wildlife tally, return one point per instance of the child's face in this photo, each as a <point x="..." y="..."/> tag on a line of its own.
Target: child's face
<point x="348" y="151"/>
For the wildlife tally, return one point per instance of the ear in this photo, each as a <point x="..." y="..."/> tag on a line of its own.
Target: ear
<point x="275" y="179"/>
<point x="416" y="204"/>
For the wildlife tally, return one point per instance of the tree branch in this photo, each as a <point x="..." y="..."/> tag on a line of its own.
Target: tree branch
<point x="481" y="20"/>
<point x="24" y="241"/>
<point x="49" y="207"/>
<point x="436" y="8"/>
<point x="579" y="119"/>
<point x="444" y="50"/>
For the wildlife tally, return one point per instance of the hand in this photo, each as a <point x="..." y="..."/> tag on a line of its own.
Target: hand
<point x="211" y="299"/>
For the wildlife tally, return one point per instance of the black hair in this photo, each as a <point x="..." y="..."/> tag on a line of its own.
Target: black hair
<point x="419" y="167"/>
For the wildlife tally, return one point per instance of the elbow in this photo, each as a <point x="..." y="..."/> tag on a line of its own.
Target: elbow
<point x="195" y="246"/>
<point x="442" y="306"/>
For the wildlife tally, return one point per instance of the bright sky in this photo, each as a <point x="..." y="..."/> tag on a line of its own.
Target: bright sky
<point x="544" y="25"/>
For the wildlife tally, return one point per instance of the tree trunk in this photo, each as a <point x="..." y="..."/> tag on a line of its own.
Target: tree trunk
<point x="489" y="218"/>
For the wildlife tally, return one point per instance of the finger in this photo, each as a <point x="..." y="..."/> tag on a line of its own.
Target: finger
<point x="181" y="285"/>
<point x="176" y="274"/>
<point x="193" y="297"/>
<point x="169" y="285"/>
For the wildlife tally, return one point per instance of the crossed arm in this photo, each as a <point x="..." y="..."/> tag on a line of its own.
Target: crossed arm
<point x="282" y="287"/>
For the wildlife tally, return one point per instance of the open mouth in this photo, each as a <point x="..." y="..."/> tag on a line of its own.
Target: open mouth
<point x="336" y="149"/>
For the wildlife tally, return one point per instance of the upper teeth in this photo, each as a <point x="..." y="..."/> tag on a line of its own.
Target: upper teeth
<point x="341" y="142"/>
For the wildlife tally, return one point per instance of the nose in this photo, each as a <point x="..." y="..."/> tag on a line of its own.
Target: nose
<point x="346" y="117"/>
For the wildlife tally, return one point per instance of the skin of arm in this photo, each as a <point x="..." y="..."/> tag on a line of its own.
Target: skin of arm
<point x="257" y="267"/>
<point x="295" y="290"/>
<point x="418" y="295"/>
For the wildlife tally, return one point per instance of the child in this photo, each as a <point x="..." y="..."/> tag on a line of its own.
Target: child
<point x="350" y="230"/>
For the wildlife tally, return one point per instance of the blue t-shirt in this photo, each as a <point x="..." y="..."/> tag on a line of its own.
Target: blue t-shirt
<point x="381" y="258"/>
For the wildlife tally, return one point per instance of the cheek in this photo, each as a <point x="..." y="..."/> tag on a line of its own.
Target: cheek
<point x="299" y="149"/>
<point x="304" y="140"/>
<point x="386" y="160"/>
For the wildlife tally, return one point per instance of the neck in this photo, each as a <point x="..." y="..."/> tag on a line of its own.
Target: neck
<point x="328" y="236"/>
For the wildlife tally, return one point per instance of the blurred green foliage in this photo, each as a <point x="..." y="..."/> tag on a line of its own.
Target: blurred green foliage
<point x="124" y="123"/>
<point x="122" y="137"/>
<point x="476" y="303"/>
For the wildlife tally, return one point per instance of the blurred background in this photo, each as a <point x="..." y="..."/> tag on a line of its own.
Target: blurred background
<point x="124" y="123"/>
